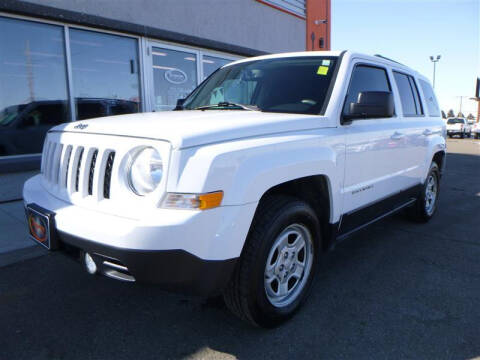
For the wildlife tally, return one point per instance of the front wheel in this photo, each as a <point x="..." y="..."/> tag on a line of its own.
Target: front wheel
<point x="426" y="204"/>
<point x="278" y="262"/>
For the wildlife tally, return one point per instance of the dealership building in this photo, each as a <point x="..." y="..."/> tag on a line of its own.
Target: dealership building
<point x="68" y="60"/>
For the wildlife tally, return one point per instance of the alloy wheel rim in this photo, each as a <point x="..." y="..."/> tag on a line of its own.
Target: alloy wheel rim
<point x="431" y="194"/>
<point x="288" y="265"/>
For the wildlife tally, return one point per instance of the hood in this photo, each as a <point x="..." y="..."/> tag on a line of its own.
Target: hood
<point x="189" y="128"/>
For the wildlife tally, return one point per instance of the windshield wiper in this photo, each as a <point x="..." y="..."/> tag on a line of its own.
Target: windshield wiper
<point x="226" y="104"/>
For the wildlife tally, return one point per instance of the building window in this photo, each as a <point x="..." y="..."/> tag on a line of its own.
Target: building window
<point x="105" y="74"/>
<point x="33" y="85"/>
<point x="174" y="76"/>
<point x="47" y="79"/>
<point x="296" y="7"/>
<point x="212" y="63"/>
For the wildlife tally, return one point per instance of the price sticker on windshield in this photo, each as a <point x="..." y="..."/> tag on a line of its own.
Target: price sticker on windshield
<point x="322" y="70"/>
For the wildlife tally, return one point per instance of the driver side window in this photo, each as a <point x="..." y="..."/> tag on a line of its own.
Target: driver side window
<point x="365" y="78"/>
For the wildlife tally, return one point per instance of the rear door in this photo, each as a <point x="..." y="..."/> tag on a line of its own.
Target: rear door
<point x="414" y="127"/>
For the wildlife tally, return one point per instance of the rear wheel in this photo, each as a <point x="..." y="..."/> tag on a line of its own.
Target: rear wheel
<point x="426" y="205"/>
<point x="278" y="262"/>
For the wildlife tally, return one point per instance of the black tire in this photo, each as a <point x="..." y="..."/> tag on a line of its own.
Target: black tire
<point x="477" y="136"/>
<point x="418" y="212"/>
<point x="245" y="295"/>
<point x="462" y="135"/>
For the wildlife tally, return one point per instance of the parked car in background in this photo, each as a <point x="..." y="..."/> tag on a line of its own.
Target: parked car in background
<point x="266" y="165"/>
<point x="476" y="130"/>
<point x="32" y="120"/>
<point x="458" y="126"/>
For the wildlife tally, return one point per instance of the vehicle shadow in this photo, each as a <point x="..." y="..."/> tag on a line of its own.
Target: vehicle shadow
<point x="395" y="290"/>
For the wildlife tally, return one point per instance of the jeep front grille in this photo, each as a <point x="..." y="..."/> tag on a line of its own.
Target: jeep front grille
<point x="78" y="169"/>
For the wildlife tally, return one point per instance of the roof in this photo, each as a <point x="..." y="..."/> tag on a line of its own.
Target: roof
<point x="347" y="54"/>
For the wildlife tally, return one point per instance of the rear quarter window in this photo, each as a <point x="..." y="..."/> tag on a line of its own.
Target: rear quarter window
<point x="430" y="99"/>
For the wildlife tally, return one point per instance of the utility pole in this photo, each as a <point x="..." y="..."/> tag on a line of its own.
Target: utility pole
<point x="477" y="99"/>
<point x="28" y="56"/>
<point x="434" y="60"/>
<point x="461" y="102"/>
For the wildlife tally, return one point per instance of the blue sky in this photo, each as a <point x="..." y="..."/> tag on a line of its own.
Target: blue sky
<point x="410" y="31"/>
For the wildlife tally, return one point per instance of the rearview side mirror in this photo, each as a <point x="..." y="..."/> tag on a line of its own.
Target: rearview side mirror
<point x="370" y="104"/>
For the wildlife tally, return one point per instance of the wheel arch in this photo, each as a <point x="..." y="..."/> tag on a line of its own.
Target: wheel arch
<point x="315" y="191"/>
<point x="440" y="158"/>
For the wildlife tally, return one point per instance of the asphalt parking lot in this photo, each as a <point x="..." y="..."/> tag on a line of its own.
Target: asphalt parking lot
<point x="396" y="290"/>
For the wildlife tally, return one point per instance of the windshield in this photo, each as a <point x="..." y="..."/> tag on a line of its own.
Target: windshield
<point x="455" y="121"/>
<point x="290" y="85"/>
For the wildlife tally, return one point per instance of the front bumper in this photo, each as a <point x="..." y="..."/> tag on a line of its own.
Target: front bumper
<point x="173" y="270"/>
<point x="183" y="250"/>
<point x="455" y="132"/>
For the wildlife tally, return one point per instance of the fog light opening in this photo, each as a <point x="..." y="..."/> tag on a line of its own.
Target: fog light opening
<point x="89" y="263"/>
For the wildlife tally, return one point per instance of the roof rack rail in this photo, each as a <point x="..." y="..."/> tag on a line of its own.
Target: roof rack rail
<point x="386" y="58"/>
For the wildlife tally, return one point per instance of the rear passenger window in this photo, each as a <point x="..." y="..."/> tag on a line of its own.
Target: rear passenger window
<point x="408" y="92"/>
<point x="365" y="78"/>
<point x="430" y="99"/>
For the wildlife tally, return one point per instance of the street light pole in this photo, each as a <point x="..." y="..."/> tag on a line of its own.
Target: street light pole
<point x="434" y="60"/>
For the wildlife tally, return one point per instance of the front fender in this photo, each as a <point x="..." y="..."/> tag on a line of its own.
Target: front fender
<point x="246" y="169"/>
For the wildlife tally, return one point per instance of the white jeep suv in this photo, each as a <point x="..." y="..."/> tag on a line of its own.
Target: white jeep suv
<point x="458" y="126"/>
<point x="267" y="164"/>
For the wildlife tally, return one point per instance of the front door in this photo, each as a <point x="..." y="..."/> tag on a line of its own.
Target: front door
<point x="373" y="148"/>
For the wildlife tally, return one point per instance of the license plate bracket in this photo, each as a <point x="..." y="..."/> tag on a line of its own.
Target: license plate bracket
<point x="41" y="226"/>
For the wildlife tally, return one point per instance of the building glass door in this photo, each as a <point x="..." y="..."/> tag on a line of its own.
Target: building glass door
<point x="173" y="72"/>
<point x="174" y="75"/>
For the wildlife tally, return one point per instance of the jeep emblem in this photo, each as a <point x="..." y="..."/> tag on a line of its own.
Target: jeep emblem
<point x="80" y="126"/>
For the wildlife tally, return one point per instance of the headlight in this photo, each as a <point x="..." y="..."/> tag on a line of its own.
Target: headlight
<point x="145" y="171"/>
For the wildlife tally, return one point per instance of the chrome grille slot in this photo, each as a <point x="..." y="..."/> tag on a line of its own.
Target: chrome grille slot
<point x="78" y="166"/>
<point x="44" y="156"/>
<point x="68" y="157"/>
<point x="108" y="175"/>
<point x="56" y="163"/>
<point x="91" y="172"/>
<point x="49" y="160"/>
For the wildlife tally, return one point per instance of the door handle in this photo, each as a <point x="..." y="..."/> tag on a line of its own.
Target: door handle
<point x="427" y="132"/>
<point x="397" y="136"/>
